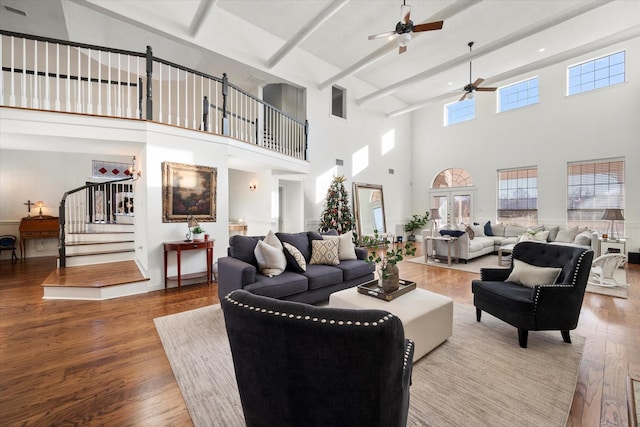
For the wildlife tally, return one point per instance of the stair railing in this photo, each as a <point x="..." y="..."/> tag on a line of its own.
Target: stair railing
<point x="95" y="202"/>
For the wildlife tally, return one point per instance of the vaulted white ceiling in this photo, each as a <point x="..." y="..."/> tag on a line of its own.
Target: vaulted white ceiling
<point x="261" y="41"/>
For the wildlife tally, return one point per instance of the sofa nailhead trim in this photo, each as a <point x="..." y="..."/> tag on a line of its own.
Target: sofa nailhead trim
<point x="309" y="318"/>
<point x="573" y="282"/>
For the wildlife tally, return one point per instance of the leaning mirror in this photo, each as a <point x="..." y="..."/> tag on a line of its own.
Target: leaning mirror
<point x="368" y="205"/>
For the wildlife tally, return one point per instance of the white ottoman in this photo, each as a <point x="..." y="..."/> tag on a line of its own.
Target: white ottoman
<point x="427" y="317"/>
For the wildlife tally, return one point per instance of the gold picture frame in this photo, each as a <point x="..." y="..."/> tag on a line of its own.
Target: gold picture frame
<point x="188" y="190"/>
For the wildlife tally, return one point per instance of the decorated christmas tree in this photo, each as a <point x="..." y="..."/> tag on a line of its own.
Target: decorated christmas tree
<point x="337" y="212"/>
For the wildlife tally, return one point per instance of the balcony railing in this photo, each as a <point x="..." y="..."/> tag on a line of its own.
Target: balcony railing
<point x="47" y="74"/>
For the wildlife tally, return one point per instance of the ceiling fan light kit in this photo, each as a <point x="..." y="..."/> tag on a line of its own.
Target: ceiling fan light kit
<point x="474" y="87"/>
<point x="405" y="27"/>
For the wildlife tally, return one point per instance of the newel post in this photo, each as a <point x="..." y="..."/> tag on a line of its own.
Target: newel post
<point x="225" y="93"/>
<point x="149" y="81"/>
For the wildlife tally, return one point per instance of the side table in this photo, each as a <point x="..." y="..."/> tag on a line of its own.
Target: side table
<point x="504" y="253"/>
<point x="451" y="241"/>
<point x="180" y="246"/>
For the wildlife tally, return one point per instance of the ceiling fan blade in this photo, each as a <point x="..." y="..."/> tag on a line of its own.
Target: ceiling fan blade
<point x="463" y="97"/>
<point x="402" y="49"/>
<point x="405" y="13"/>
<point x="378" y="36"/>
<point x="429" y="26"/>
<point x="477" y="82"/>
<point x="486" y="89"/>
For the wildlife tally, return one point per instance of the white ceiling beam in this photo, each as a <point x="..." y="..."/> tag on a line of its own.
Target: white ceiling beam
<point x="483" y="50"/>
<point x="602" y="43"/>
<point x="305" y="31"/>
<point x="368" y="60"/>
<point x="204" y="8"/>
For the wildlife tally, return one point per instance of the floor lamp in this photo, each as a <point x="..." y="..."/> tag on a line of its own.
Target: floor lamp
<point x="613" y="215"/>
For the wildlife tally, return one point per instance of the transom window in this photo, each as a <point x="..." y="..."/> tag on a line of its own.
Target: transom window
<point x="518" y="95"/>
<point x="597" y="73"/>
<point x="452" y="177"/>
<point x="518" y="196"/>
<point x="460" y="111"/>
<point x="593" y="187"/>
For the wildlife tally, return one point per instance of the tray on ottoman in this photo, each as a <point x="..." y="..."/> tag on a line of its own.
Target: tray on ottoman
<point x="371" y="288"/>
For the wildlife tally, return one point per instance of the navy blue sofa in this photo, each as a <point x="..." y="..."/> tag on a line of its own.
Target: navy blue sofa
<point x="239" y="270"/>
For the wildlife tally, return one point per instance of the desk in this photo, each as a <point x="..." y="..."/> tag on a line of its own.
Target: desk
<point x="180" y="246"/>
<point x="451" y="240"/>
<point x="37" y="227"/>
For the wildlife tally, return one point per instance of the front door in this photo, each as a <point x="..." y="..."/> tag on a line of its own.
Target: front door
<point x="454" y="206"/>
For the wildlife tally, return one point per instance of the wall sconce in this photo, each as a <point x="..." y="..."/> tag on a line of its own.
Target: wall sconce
<point x="252" y="186"/>
<point x="132" y="170"/>
<point x="39" y="205"/>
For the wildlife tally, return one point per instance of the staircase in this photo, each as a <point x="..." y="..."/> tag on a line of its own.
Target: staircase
<point x="97" y="251"/>
<point x="100" y="243"/>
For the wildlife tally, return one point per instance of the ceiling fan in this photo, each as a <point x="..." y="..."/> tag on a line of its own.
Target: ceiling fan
<point x="472" y="87"/>
<point x="405" y="27"/>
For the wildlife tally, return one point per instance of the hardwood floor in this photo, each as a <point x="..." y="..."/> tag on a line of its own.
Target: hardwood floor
<point x="102" y="363"/>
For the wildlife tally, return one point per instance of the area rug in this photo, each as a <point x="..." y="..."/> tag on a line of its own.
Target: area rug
<point x="472" y="266"/>
<point x="480" y="376"/>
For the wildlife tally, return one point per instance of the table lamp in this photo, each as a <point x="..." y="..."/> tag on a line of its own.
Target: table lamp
<point x="39" y="204"/>
<point x="612" y="215"/>
<point x="191" y="222"/>
<point x="435" y="215"/>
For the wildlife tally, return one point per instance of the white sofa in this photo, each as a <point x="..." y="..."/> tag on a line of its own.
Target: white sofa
<point x="475" y="242"/>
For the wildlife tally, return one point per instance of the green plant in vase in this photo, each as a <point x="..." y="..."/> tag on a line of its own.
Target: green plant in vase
<point x="415" y="223"/>
<point x="386" y="258"/>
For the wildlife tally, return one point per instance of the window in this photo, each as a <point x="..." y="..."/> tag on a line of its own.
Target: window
<point x="518" y="196"/>
<point x="338" y="102"/>
<point x="460" y="111"/>
<point x="601" y="72"/>
<point x="593" y="187"/>
<point x="518" y="95"/>
<point x="453" y="177"/>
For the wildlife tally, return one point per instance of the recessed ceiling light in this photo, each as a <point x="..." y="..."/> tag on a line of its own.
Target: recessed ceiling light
<point x="450" y="83"/>
<point x="541" y="50"/>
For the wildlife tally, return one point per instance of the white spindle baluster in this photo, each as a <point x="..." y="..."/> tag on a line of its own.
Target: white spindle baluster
<point x="89" y="91"/>
<point x="34" y="92"/>
<point x="193" y="101"/>
<point x="177" y="96"/>
<point x="47" y="102"/>
<point x="1" y="76"/>
<point x="24" y="73"/>
<point x="79" y="89"/>
<point x="186" y="99"/>
<point x="57" y="103"/>
<point x="140" y="88"/>
<point x="99" y="106"/>
<point x="160" y="91"/>
<point x="118" y="91"/>
<point x="129" y="86"/>
<point x="12" y="97"/>
<point x="108" y="83"/>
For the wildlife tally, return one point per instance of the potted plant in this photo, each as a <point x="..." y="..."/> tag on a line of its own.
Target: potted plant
<point x="415" y="223"/>
<point x="198" y="232"/>
<point x="385" y="258"/>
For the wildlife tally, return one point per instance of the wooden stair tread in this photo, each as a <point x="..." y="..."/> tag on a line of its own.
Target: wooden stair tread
<point x="115" y="251"/>
<point x="96" y="275"/>
<point x="95" y="242"/>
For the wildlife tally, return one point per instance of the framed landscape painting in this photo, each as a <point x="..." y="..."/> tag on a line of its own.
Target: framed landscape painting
<point x="188" y="190"/>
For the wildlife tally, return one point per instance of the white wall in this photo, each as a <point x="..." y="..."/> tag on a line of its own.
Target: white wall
<point x="595" y="125"/>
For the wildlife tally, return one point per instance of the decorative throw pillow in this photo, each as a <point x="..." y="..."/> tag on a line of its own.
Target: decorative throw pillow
<point x="534" y="236"/>
<point x="487" y="229"/>
<point x="553" y="232"/>
<point x="470" y="232"/>
<point x="325" y="252"/>
<point x="478" y="230"/>
<point x="295" y="259"/>
<point x="583" y="238"/>
<point x="346" y="248"/>
<point x="532" y="275"/>
<point x="568" y="235"/>
<point x="271" y="260"/>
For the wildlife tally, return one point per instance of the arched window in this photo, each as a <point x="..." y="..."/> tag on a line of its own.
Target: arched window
<point x="452" y="177"/>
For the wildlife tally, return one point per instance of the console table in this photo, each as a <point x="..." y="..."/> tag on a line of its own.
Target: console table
<point x="451" y="240"/>
<point x="193" y="245"/>
<point x="37" y="227"/>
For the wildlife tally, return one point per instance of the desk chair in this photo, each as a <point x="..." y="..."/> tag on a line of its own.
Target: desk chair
<point x="8" y="243"/>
